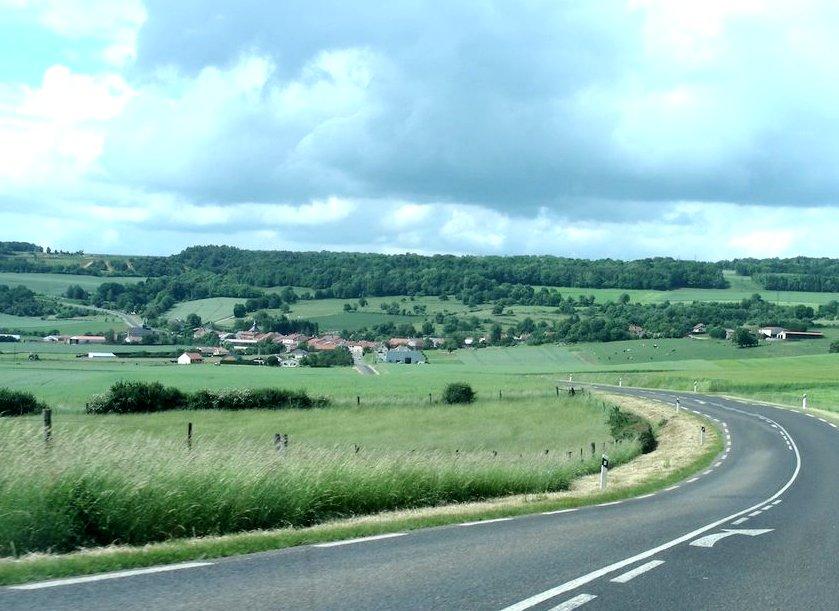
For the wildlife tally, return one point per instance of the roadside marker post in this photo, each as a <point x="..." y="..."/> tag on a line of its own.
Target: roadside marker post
<point x="604" y="467"/>
<point x="188" y="435"/>
<point x="695" y="386"/>
<point x="678" y="404"/>
<point x="804" y="401"/>
<point x="620" y="382"/>
<point x="47" y="424"/>
<point x="701" y="435"/>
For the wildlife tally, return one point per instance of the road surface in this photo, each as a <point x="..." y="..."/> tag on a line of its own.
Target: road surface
<point x="758" y="530"/>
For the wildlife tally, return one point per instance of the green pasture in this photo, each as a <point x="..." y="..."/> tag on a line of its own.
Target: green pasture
<point x="56" y="284"/>
<point x="213" y="309"/>
<point x="67" y="326"/>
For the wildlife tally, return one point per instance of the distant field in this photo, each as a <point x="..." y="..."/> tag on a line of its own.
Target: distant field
<point x="56" y="284"/>
<point x="210" y="310"/>
<point x="68" y="326"/>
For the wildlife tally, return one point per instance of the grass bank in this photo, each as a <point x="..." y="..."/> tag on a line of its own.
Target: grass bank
<point x="674" y="460"/>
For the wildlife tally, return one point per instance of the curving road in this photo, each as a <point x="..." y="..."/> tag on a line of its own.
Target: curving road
<point x="756" y="531"/>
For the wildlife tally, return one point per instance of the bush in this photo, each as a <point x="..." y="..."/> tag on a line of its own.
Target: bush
<point x="625" y="425"/>
<point x="834" y="346"/>
<point x="18" y="403"/>
<point x="136" y="397"/>
<point x="745" y="338"/>
<point x="458" y="392"/>
<point x="140" y="397"/>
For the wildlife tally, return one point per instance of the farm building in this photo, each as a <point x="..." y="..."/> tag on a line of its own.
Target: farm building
<point x="699" y="328"/>
<point x="770" y="332"/>
<point x="791" y="335"/>
<point x="87" y="339"/>
<point x="101" y="355"/>
<point x="9" y="337"/>
<point x="136" y="334"/>
<point x="404" y="355"/>
<point x="190" y="358"/>
<point x="290" y="363"/>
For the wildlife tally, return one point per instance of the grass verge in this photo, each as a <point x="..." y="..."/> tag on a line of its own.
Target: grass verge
<point x="35" y="567"/>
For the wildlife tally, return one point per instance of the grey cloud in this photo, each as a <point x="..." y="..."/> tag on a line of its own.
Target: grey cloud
<point x="510" y="106"/>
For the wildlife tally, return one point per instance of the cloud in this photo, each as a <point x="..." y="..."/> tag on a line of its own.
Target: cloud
<point x="613" y="128"/>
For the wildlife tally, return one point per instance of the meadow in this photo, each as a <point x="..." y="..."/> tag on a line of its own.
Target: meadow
<point x="131" y="479"/>
<point x="67" y="326"/>
<point x="56" y="284"/>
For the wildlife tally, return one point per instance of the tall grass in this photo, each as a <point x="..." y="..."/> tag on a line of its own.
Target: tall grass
<point x="89" y="488"/>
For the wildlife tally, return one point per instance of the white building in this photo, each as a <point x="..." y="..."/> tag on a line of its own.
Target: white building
<point x="101" y="355"/>
<point x="190" y="358"/>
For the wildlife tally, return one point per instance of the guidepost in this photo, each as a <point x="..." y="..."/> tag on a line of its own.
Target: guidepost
<point x="604" y="467"/>
<point x="804" y="401"/>
<point x="620" y="381"/>
<point x="678" y="404"/>
<point x="701" y="435"/>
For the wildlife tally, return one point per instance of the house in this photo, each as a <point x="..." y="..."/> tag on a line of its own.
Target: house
<point x="190" y="358"/>
<point x="213" y="351"/>
<point x="699" y="329"/>
<point x="404" y="355"/>
<point x="9" y="337"/>
<point x="101" y="355"/>
<point x="137" y="334"/>
<point x="791" y="335"/>
<point x="326" y="342"/>
<point x="293" y="339"/>
<point x="298" y="354"/>
<point x="87" y="339"/>
<point x="290" y="363"/>
<point x="729" y="333"/>
<point x="770" y="332"/>
<point x="410" y="342"/>
<point x="56" y="339"/>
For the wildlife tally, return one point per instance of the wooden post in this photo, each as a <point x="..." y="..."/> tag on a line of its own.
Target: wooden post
<point x="581" y="454"/>
<point x="557" y="391"/>
<point x="188" y="435"/>
<point x="593" y="448"/>
<point x="47" y="424"/>
<point x="429" y="398"/>
<point x="357" y="400"/>
<point x="499" y="395"/>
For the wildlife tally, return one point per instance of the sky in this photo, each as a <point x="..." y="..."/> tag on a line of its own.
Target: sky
<point x="610" y="128"/>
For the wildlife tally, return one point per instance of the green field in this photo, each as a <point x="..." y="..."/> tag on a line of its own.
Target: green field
<point x="213" y="309"/>
<point x="56" y="284"/>
<point x="66" y="326"/>
<point x="131" y="478"/>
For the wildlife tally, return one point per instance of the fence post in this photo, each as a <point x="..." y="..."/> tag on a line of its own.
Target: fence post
<point x="47" y="424"/>
<point x="593" y="448"/>
<point x="557" y="391"/>
<point x="429" y="398"/>
<point x="188" y="435"/>
<point x="499" y="395"/>
<point x="357" y="400"/>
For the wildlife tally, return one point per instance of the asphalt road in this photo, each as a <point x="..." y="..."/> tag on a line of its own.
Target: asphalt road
<point x="756" y="531"/>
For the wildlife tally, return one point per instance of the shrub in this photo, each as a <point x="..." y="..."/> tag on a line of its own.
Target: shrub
<point x="745" y="338"/>
<point x="18" y="403"/>
<point x="136" y="397"/>
<point x="625" y="425"/>
<point x="834" y="346"/>
<point x="458" y="392"/>
<point x="139" y="397"/>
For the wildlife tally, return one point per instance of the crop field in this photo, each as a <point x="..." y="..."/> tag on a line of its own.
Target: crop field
<point x="56" y="284"/>
<point x="67" y="326"/>
<point x="213" y="309"/>
<point x="132" y="479"/>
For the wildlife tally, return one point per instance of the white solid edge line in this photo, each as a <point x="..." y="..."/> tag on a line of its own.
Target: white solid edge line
<point x="476" y="522"/>
<point x="553" y="513"/>
<point x="536" y="599"/>
<point x="573" y="603"/>
<point x="359" y="540"/>
<point x="691" y="480"/>
<point x="113" y="575"/>
<point x="638" y="570"/>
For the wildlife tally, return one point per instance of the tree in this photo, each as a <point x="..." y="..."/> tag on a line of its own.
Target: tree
<point x="428" y="328"/>
<point x="497" y="309"/>
<point x="744" y="338"/>
<point x="193" y="321"/>
<point x="834" y="347"/>
<point x="239" y="310"/>
<point x="716" y="332"/>
<point x="348" y="307"/>
<point x="624" y="298"/>
<point x="458" y="392"/>
<point x="362" y="302"/>
<point x="495" y="334"/>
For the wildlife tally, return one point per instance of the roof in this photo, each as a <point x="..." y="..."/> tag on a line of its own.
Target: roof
<point x="93" y="355"/>
<point x="194" y="356"/>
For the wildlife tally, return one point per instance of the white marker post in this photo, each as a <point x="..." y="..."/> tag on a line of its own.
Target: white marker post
<point x="604" y="467"/>
<point x="620" y="381"/>
<point x="570" y="377"/>
<point x="804" y="401"/>
<point x="702" y="435"/>
<point x="678" y="404"/>
<point x="695" y="386"/>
